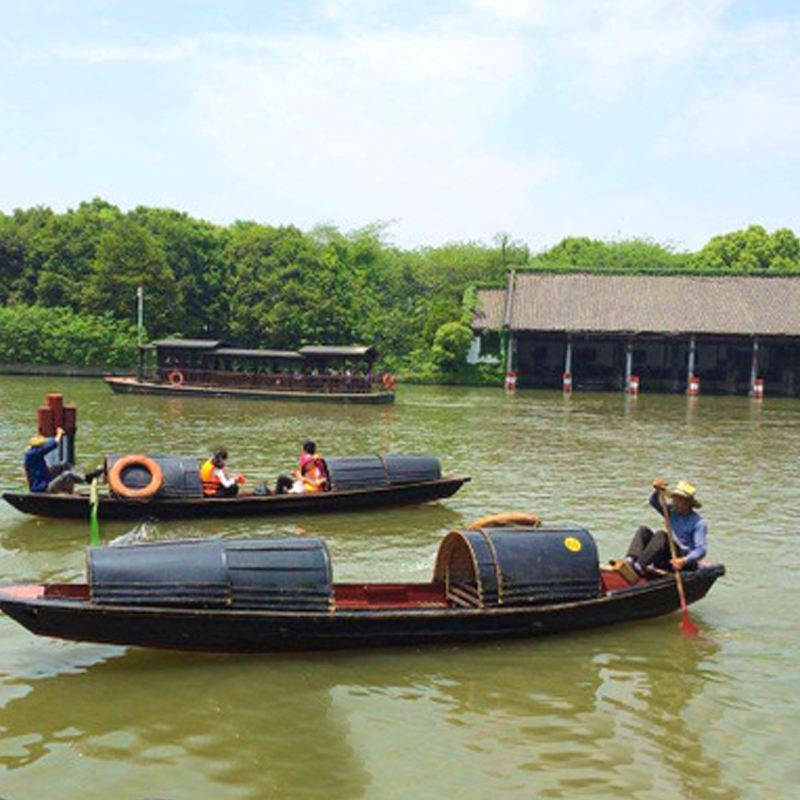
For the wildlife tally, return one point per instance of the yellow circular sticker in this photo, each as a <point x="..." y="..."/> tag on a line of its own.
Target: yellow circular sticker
<point x="573" y="544"/>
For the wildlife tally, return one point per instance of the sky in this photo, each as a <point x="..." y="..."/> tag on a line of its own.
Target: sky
<point x="673" y="120"/>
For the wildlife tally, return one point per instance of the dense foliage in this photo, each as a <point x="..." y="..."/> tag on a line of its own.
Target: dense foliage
<point x="39" y="335"/>
<point x="68" y="283"/>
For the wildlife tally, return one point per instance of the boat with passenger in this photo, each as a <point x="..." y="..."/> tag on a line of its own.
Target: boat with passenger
<point x="491" y="581"/>
<point x="170" y="487"/>
<point x="208" y="368"/>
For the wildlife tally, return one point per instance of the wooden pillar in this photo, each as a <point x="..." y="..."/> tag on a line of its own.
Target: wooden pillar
<point x="511" y="375"/>
<point x="567" y="376"/>
<point x="756" y="385"/>
<point x="631" y="385"/>
<point x="692" y="381"/>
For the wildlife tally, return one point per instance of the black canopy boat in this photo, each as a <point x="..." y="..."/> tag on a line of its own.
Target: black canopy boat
<point x="356" y="482"/>
<point x="260" y="595"/>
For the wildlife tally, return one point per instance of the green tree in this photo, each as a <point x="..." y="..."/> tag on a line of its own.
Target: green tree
<point x="288" y="290"/>
<point x="450" y="346"/>
<point x="751" y="250"/>
<point x="128" y="256"/>
<point x="12" y="258"/>
<point x="40" y="335"/>
<point x="630" y="254"/>
<point x="194" y="251"/>
<point x="65" y="250"/>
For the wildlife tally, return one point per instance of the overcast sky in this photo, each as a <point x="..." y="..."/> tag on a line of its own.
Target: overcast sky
<point x="675" y="120"/>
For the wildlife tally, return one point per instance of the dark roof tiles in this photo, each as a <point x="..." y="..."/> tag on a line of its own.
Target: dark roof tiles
<point x="646" y="304"/>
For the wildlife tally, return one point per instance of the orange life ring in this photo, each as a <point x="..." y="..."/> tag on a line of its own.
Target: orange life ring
<point x="119" y="488"/>
<point x="518" y="518"/>
<point x="175" y="377"/>
<point x="388" y="381"/>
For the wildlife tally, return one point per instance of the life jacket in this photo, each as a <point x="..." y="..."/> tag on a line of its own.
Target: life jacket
<point x="209" y="478"/>
<point x="314" y="474"/>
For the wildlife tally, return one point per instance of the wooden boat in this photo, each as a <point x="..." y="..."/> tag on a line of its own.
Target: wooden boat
<point x="76" y="506"/>
<point x="278" y="594"/>
<point x="206" y="368"/>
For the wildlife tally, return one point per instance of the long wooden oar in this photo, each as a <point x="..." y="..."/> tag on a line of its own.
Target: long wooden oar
<point x="687" y="627"/>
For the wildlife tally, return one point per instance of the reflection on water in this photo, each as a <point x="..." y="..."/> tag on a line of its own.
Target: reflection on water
<point x="581" y="714"/>
<point x="633" y="711"/>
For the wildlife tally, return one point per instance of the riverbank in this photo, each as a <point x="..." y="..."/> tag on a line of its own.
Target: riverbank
<point x="61" y="370"/>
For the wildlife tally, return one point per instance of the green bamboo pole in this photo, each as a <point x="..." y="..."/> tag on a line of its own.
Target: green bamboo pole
<point x="94" y="503"/>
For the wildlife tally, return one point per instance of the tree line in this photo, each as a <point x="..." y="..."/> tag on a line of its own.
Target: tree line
<point x="278" y="286"/>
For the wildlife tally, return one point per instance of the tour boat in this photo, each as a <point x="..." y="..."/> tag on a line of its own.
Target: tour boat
<point x="207" y="368"/>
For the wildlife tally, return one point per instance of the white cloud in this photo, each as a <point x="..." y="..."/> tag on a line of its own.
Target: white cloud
<point x="750" y="122"/>
<point x="374" y="127"/>
<point x="169" y="51"/>
<point x="515" y="11"/>
<point x="433" y="120"/>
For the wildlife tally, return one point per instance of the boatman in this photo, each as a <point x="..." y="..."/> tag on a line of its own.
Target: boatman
<point x="45" y="478"/>
<point x="650" y="551"/>
<point x="215" y="479"/>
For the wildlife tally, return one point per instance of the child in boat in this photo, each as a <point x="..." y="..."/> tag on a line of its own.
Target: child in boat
<point x="313" y="472"/>
<point x="215" y="479"/>
<point x="650" y="552"/>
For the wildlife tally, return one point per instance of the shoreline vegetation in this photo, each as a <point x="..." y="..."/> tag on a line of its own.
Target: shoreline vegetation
<point x="68" y="285"/>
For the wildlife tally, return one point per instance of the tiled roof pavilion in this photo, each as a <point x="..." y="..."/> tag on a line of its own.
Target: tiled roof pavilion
<point x="643" y="304"/>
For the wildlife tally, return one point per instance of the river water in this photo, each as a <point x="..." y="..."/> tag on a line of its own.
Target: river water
<point x="633" y="711"/>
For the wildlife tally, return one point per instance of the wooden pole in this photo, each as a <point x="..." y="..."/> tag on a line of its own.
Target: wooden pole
<point x="687" y="626"/>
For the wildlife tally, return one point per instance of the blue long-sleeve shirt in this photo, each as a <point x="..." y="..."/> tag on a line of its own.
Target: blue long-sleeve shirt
<point x="36" y="467"/>
<point x="690" y="532"/>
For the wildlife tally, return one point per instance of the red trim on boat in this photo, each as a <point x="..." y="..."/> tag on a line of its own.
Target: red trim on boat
<point x="613" y="581"/>
<point x="389" y="595"/>
<point x="24" y="591"/>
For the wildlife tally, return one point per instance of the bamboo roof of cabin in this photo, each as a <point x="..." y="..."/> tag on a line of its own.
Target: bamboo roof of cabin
<point x="188" y="344"/>
<point x="238" y="352"/>
<point x="334" y="351"/>
<point x="628" y="304"/>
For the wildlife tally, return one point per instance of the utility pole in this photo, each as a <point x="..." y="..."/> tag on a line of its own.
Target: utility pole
<point x="140" y="331"/>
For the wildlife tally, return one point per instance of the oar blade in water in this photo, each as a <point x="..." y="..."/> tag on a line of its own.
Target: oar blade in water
<point x="687" y="627"/>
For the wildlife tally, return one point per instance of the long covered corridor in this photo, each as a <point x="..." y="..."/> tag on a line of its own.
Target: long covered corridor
<point x="608" y="332"/>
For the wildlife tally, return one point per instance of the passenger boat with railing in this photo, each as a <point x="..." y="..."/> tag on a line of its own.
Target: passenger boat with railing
<point x="207" y="368"/>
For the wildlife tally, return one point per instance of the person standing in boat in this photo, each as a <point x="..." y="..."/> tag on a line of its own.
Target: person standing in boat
<point x="42" y="477"/>
<point x="650" y="549"/>
<point x="215" y="479"/>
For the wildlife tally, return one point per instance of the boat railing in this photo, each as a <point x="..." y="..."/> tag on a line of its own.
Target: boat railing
<point x="288" y="382"/>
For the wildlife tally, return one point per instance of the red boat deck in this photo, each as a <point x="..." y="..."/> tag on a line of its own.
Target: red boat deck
<point x="389" y="595"/>
<point x="348" y="596"/>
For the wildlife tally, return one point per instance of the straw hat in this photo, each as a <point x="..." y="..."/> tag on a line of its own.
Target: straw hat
<point x="687" y="490"/>
<point x="37" y="441"/>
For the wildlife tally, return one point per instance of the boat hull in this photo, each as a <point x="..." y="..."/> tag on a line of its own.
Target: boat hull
<point x="65" y="506"/>
<point x="128" y="385"/>
<point x="227" y="631"/>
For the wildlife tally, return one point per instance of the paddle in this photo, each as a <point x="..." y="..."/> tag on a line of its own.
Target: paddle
<point x="687" y="627"/>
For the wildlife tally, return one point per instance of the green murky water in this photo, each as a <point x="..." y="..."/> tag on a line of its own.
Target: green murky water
<point x="633" y="711"/>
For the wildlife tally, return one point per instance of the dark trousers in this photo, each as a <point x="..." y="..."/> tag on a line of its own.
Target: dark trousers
<point x="230" y="491"/>
<point x="63" y="479"/>
<point x="648" y="548"/>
